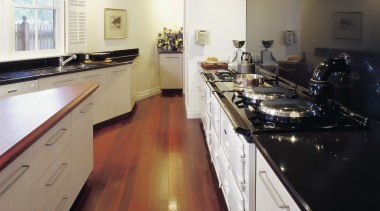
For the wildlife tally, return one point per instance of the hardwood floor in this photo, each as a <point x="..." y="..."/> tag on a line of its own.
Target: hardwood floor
<point x="154" y="160"/>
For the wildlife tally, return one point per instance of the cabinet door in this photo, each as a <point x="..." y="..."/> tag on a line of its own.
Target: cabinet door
<point x="271" y="195"/>
<point x="82" y="136"/>
<point x="57" y="81"/>
<point x="119" y="90"/>
<point x="100" y="96"/>
<point x="171" y="71"/>
<point x="15" y="184"/>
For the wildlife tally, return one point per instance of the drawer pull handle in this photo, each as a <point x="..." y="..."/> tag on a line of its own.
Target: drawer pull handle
<point x="274" y="195"/>
<point x="225" y="131"/>
<point x="92" y="76"/>
<point x="56" y="137"/>
<point x="56" y="175"/>
<point x="59" y="82"/>
<point x="62" y="204"/>
<point x="24" y="169"/>
<point x="172" y="57"/>
<point x="118" y="71"/>
<point x="12" y="91"/>
<point x="87" y="108"/>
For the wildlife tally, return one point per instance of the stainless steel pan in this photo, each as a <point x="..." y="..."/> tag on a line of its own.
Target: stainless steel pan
<point x="248" y="80"/>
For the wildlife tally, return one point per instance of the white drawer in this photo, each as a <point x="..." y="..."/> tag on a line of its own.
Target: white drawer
<point x="226" y="132"/>
<point x="49" y="146"/>
<point x="237" y="158"/>
<point x="49" y="186"/>
<point x="224" y="175"/>
<point x="236" y="199"/>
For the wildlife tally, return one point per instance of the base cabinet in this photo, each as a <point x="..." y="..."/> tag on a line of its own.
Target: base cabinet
<point x="119" y="90"/>
<point x="171" y="71"/>
<point x="271" y="194"/>
<point x="52" y="171"/>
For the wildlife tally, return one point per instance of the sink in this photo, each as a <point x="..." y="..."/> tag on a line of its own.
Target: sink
<point x="54" y="70"/>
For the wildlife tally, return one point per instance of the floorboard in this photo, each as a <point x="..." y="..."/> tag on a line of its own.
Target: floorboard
<point x="154" y="160"/>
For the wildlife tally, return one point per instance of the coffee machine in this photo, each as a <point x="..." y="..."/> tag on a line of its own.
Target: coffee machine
<point x="236" y="56"/>
<point x="267" y="57"/>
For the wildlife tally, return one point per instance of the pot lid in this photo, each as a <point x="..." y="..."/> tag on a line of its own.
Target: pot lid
<point x="293" y="108"/>
<point x="258" y="94"/>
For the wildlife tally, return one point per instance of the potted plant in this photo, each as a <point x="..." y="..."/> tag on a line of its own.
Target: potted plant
<point x="170" y="40"/>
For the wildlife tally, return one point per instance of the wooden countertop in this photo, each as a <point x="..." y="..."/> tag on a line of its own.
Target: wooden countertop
<point x="25" y="118"/>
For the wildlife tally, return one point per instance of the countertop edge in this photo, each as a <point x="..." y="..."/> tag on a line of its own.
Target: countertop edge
<point x="11" y="154"/>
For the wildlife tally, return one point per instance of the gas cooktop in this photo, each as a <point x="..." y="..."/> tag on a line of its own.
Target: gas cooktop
<point x="275" y="108"/>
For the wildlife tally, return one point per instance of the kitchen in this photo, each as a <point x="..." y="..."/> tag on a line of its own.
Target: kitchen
<point x="195" y="18"/>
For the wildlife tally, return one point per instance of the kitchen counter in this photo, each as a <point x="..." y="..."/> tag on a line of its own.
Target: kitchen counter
<point x="329" y="170"/>
<point x="25" y="118"/>
<point x="8" y="77"/>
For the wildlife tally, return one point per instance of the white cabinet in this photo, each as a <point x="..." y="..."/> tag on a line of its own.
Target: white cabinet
<point x="18" y="88"/>
<point x="100" y="97"/>
<point x="119" y="90"/>
<point x="82" y="141"/>
<point x="15" y="185"/>
<point x="57" y="81"/>
<point x="52" y="171"/>
<point x="271" y="195"/>
<point x="171" y="71"/>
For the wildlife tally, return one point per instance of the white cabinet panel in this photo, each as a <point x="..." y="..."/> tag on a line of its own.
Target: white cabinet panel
<point x="82" y="141"/>
<point x="100" y="96"/>
<point x="57" y="81"/>
<point x="18" y="88"/>
<point x="119" y="90"/>
<point x="171" y="71"/>
<point x="271" y="195"/>
<point x="15" y="184"/>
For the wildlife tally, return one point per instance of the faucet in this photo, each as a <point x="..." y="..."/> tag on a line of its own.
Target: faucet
<point x="63" y="62"/>
<point x="319" y="88"/>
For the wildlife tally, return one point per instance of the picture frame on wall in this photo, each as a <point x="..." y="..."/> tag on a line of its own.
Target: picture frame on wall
<point x="347" y="25"/>
<point x="115" y="23"/>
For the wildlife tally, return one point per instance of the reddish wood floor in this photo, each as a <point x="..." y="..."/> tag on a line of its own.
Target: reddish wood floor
<point x="154" y="160"/>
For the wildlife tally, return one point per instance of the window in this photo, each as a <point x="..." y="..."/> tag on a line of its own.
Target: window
<point x="32" y="28"/>
<point x="34" y="25"/>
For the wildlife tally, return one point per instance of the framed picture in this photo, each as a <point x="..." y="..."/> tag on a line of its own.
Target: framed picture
<point x="347" y="25"/>
<point x="115" y="23"/>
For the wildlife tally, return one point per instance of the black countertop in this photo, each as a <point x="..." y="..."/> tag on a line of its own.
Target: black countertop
<point x="327" y="170"/>
<point x="20" y="75"/>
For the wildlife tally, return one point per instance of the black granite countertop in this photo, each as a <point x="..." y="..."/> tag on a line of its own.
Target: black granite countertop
<point x="327" y="170"/>
<point x="31" y="73"/>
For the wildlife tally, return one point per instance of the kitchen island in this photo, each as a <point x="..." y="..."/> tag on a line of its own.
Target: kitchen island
<point x="45" y="147"/>
<point x="321" y="169"/>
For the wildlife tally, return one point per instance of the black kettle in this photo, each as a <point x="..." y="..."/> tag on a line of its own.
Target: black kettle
<point x="245" y="65"/>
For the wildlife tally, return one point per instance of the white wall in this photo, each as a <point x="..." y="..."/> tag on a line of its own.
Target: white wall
<point x="145" y="18"/>
<point x="268" y="20"/>
<point x="225" y="20"/>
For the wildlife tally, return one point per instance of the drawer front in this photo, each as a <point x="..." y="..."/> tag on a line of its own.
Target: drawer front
<point x="271" y="194"/>
<point x="236" y="199"/>
<point x="57" y="81"/>
<point x="238" y="160"/>
<point x="225" y="133"/>
<point x="49" y="186"/>
<point x="15" y="184"/>
<point x="49" y="146"/>
<point x="224" y="175"/>
<point x="215" y="115"/>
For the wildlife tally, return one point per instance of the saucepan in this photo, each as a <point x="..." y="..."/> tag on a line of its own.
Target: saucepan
<point x="248" y="80"/>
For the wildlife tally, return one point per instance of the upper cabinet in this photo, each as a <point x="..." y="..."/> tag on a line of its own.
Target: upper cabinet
<point x="76" y="36"/>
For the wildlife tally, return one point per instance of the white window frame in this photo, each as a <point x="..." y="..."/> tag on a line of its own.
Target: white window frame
<point x="7" y="37"/>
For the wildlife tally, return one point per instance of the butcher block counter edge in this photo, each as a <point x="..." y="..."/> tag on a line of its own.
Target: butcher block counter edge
<point x="25" y="118"/>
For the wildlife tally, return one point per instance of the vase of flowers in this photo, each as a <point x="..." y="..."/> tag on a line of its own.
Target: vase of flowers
<point x="170" y="40"/>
